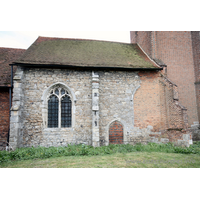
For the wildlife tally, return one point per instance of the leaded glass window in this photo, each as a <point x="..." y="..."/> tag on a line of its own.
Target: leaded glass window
<point x="59" y="108"/>
<point x="53" y="111"/>
<point x="66" y="112"/>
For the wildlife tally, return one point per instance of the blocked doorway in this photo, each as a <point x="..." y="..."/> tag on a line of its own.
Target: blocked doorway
<point x="116" y="133"/>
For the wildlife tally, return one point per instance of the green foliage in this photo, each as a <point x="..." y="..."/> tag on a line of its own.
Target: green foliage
<point x="85" y="150"/>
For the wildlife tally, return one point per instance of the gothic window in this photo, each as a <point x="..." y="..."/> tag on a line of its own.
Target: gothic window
<point x="59" y="108"/>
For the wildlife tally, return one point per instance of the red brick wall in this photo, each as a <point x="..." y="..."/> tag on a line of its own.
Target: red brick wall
<point x="143" y="38"/>
<point x="4" y="116"/>
<point x="175" y="49"/>
<point x="147" y="101"/>
<point x="156" y="105"/>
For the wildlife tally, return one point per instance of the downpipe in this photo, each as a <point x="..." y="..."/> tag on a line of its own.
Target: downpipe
<point x="10" y="104"/>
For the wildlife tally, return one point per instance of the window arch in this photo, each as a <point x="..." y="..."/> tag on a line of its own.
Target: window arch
<point x="58" y="106"/>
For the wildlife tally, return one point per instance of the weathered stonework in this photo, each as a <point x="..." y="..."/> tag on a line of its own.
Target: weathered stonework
<point x="33" y="111"/>
<point x="117" y="91"/>
<point x="95" y="109"/>
<point x="16" y="120"/>
<point x="195" y="129"/>
<point x="134" y="100"/>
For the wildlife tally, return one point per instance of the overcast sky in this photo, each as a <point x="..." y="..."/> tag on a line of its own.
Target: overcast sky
<point x="23" y="39"/>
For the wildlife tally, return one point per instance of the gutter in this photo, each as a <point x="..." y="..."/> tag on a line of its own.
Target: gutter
<point x="88" y="67"/>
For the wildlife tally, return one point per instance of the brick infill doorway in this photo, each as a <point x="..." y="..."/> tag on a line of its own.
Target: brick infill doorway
<point x="116" y="133"/>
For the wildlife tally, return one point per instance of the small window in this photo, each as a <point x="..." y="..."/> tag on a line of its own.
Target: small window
<point x="59" y="109"/>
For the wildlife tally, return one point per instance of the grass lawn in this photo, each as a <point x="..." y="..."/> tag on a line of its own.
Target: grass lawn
<point x="117" y="160"/>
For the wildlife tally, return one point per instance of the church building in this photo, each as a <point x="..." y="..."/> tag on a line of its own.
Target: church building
<point x="72" y="91"/>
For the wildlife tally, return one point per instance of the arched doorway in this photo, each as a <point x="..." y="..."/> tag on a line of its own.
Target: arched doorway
<point x="116" y="133"/>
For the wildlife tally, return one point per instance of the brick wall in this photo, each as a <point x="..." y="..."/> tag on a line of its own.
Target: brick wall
<point x="143" y="38"/>
<point x="147" y="101"/>
<point x="4" y="116"/>
<point x="175" y="49"/>
<point x="156" y="106"/>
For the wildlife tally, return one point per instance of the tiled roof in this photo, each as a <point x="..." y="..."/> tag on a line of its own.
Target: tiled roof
<point x="47" y="51"/>
<point x="7" y="56"/>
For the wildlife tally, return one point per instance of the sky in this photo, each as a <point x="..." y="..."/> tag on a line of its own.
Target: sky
<point x="23" y="21"/>
<point x="23" y="39"/>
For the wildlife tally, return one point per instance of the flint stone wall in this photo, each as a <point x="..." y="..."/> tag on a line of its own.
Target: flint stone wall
<point x="34" y="83"/>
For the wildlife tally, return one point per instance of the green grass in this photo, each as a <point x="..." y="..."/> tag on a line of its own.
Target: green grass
<point x="82" y="154"/>
<point x="117" y="160"/>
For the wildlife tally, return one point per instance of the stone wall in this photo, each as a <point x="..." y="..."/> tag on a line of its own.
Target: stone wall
<point x="117" y="90"/>
<point x="195" y="129"/>
<point x="33" y="84"/>
<point x="136" y="101"/>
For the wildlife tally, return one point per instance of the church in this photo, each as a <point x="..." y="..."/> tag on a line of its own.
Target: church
<point x="75" y="91"/>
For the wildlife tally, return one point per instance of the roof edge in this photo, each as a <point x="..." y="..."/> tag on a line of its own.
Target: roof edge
<point x="149" y="57"/>
<point x="84" y="67"/>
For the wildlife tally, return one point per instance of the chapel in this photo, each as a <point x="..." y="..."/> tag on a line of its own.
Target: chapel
<point x="72" y="91"/>
<point x="64" y="91"/>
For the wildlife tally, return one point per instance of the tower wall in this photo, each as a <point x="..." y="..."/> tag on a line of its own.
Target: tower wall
<point x="176" y="50"/>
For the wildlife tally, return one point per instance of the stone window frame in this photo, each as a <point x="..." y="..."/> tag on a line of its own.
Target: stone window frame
<point x="45" y="97"/>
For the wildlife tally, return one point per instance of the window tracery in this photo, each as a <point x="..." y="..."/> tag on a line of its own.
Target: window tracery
<point x="59" y="108"/>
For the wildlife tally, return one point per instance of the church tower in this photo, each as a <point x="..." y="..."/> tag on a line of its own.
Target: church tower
<point x="180" y="52"/>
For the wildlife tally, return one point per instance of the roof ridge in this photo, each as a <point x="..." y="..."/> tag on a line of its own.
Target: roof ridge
<point x="44" y="38"/>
